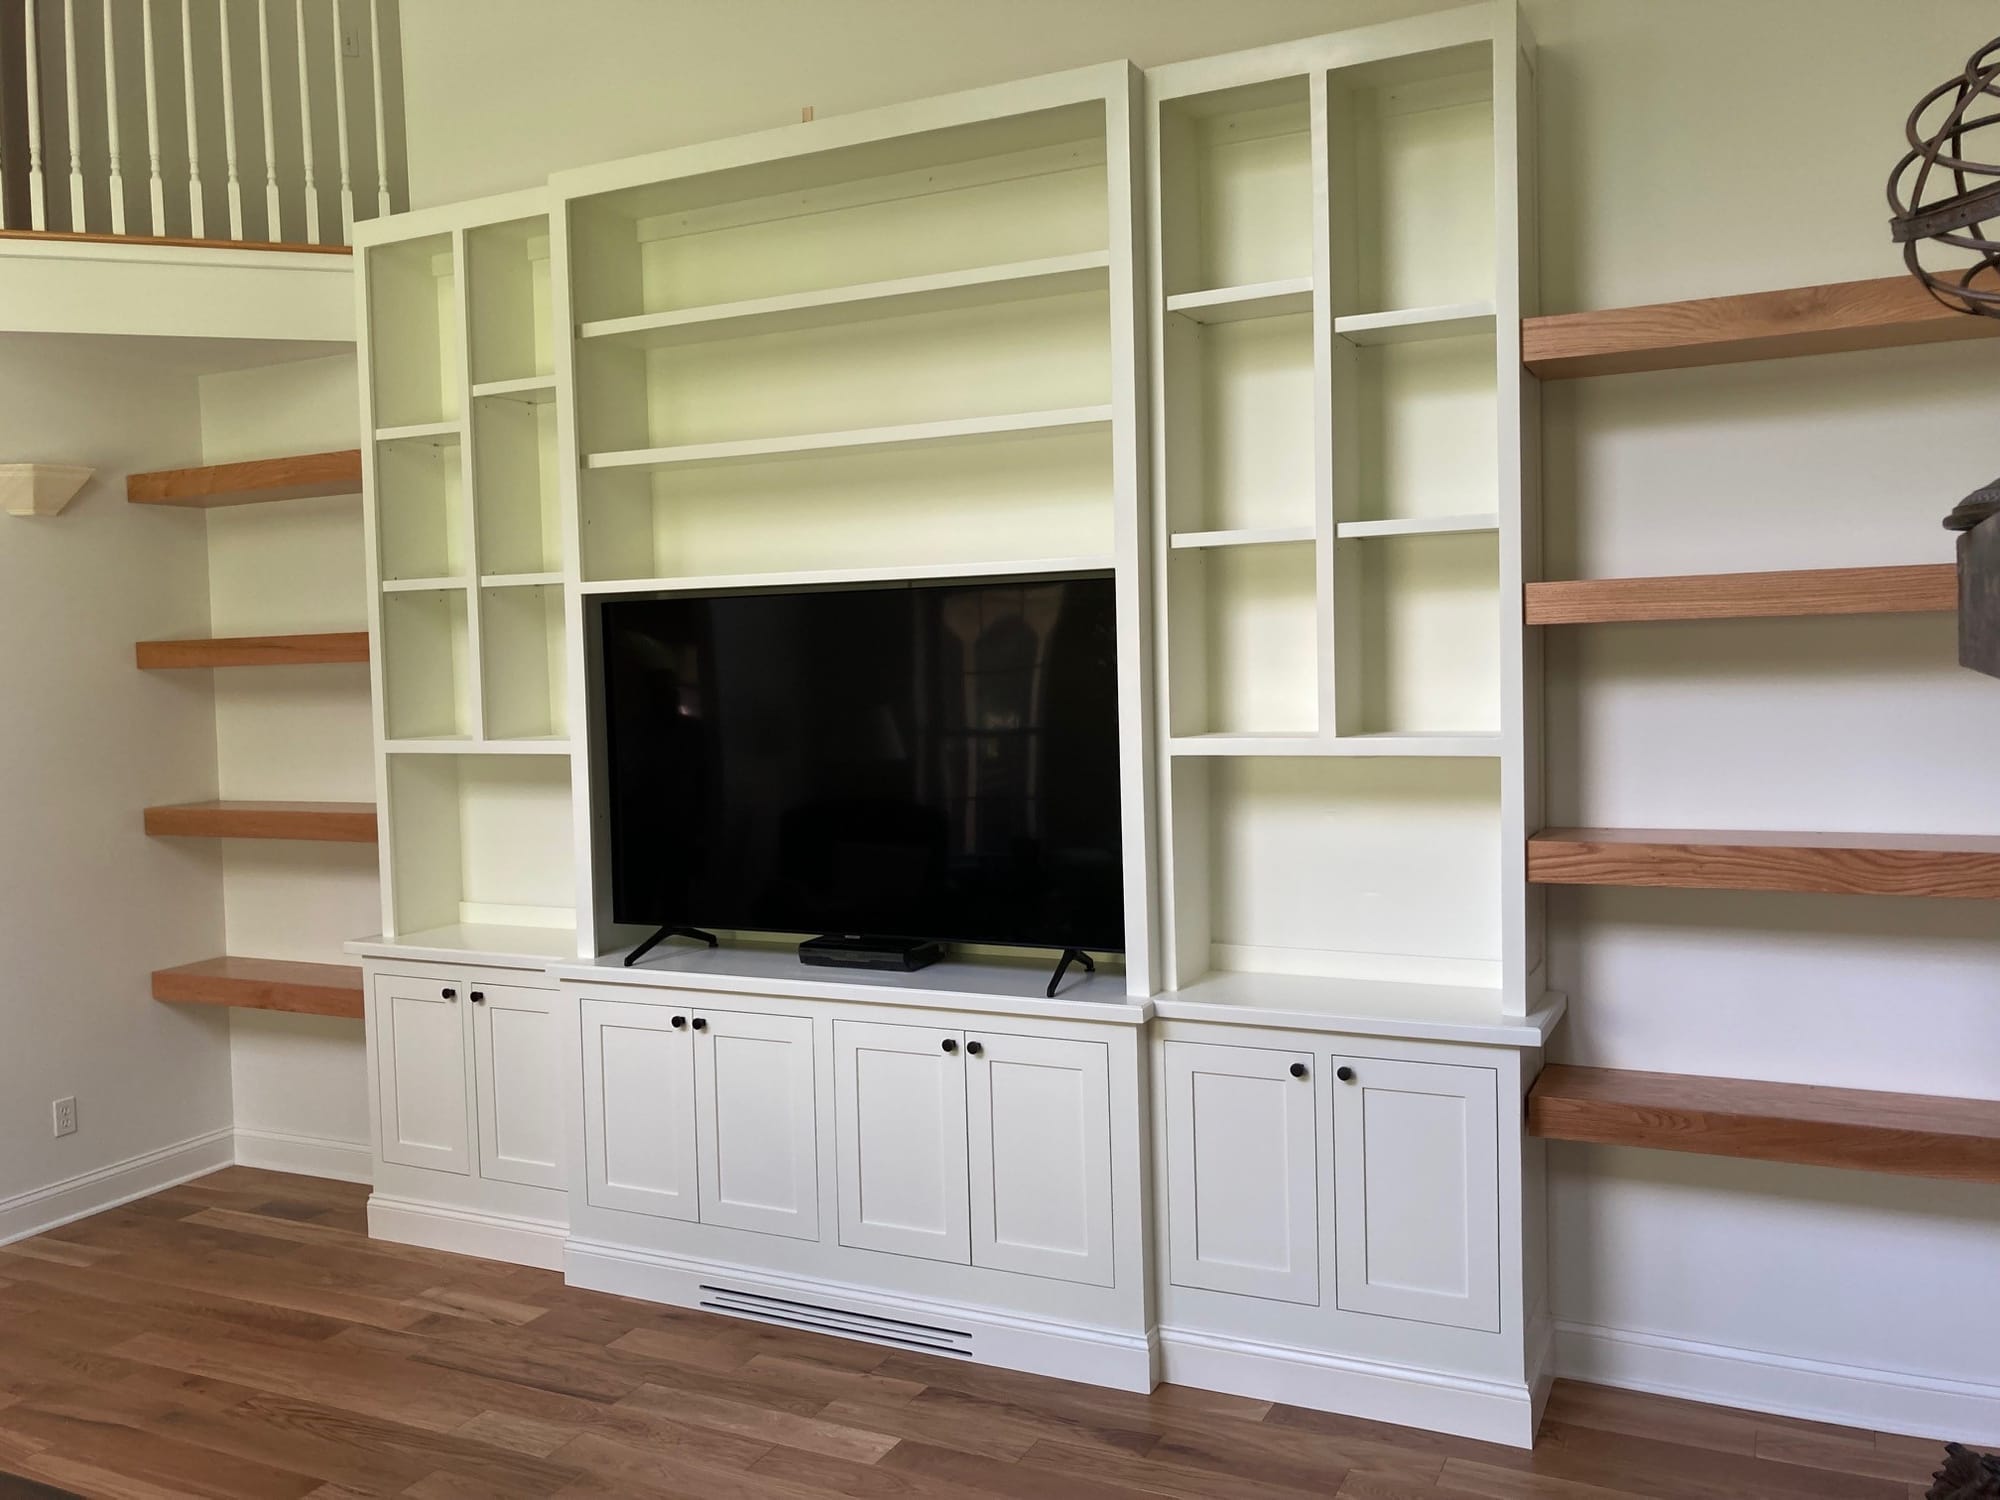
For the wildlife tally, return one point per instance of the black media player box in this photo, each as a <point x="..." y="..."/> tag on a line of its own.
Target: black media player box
<point x="845" y="951"/>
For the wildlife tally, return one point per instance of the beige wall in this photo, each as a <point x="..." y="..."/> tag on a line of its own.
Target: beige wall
<point x="1688" y="147"/>
<point x="88" y="904"/>
<point x="299" y="1082"/>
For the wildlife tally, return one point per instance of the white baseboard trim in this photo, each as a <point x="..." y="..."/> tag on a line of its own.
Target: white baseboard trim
<point x="1491" y="1410"/>
<point x="1852" y="1396"/>
<point x="307" y="1155"/>
<point x="463" y="1231"/>
<point x="42" y="1209"/>
<point x="1127" y="1361"/>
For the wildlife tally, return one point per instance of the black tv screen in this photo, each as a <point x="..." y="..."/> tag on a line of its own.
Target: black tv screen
<point x="937" y="761"/>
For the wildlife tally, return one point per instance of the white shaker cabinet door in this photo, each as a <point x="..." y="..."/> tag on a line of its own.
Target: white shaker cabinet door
<point x="517" y="1085"/>
<point x="899" y="1111"/>
<point x="638" y="1108"/>
<point x="755" y="1125"/>
<point x="420" y="1068"/>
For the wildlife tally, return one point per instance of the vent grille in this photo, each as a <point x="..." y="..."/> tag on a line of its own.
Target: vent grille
<point x="837" y="1321"/>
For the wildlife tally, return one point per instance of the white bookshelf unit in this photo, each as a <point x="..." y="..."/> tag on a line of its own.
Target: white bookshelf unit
<point x="1279" y="1151"/>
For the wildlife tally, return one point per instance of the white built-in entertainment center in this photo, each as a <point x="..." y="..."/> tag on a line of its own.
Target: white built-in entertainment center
<point x="1241" y="334"/>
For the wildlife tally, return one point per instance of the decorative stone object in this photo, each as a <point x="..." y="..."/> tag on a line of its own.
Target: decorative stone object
<point x="40" y="489"/>
<point x="1966" y="1476"/>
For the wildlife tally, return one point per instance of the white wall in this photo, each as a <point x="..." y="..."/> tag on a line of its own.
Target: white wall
<point x="299" y="1081"/>
<point x="1692" y="148"/>
<point x="88" y="904"/>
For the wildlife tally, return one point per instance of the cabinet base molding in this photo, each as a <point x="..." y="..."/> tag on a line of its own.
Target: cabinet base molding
<point x="464" y="1231"/>
<point x="1126" y="1361"/>
<point x="1753" y="1380"/>
<point x="1492" y="1411"/>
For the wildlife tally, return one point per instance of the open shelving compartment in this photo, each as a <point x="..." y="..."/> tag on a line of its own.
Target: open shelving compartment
<point x="479" y="841"/>
<point x="1338" y="502"/>
<point x="428" y="687"/>
<point x="420" y="507"/>
<point x="523" y="673"/>
<point x="511" y="323"/>
<point x="415" y="327"/>
<point x="782" y="365"/>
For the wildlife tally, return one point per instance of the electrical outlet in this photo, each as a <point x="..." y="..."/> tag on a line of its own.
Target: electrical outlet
<point x="66" y="1116"/>
<point x="350" y="41"/>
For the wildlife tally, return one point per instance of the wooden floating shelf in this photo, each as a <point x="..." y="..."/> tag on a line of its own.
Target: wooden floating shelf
<point x="316" y="822"/>
<point x="1240" y="304"/>
<point x="980" y="287"/>
<point x="256" y="651"/>
<point x="1829" y="319"/>
<point x="308" y="476"/>
<point x="1840" y="864"/>
<point x="1915" y="1135"/>
<point x="1926" y="588"/>
<point x="264" y="984"/>
<point x="862" y="440"/>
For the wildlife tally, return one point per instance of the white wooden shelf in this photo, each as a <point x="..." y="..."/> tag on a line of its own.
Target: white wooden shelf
<point x="1244" y="536"/>
<point x="1051" y="276"/>
<point x="1412" y="325"/>
<point x="861" y="440"/>
<point x="426" y="434"/>
<point x="1240" y="304"/>
<point x="1368" y="1007"/>
<point x="1420" y="526"/>
<point x="468" y="745"/>
<point x="465" y="942"/>
<point x="1026" y="567"/>
<point x="534" y="390"/>
<point x="520" y="580"/>
<point x="1467" y="745"/>
<point x="420" y="585"/>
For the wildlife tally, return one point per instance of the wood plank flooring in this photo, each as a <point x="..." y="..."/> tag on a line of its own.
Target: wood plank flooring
<point x="240" y="1337"/>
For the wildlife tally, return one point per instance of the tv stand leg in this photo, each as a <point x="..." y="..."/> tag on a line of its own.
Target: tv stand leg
<point x="1069" y="956"/>
<point x="666" y="932"/>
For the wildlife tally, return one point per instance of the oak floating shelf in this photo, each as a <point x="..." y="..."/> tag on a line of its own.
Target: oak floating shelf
<point x="264" y="984"/>
<point x="256" y="651"/>
<point x="1841" y="864"/>
<point x="317" y="822"/>
<point x="1914" y="1135"/>
<point x="304" y="477"/>
<point x="1830" y="319"/>
<point x="1925" y="588"/>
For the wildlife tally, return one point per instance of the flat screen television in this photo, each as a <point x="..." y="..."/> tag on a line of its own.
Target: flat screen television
<point x="936" y="761"/>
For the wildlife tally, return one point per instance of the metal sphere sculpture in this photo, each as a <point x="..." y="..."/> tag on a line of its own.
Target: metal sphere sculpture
<point x="1924" y="211"/>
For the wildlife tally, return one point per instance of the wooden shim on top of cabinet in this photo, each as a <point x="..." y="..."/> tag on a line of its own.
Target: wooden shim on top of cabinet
<point x="1925" y="588"/>
<point x="1912" y="1134"/>
<point x="1841" y="864"/>
<point x="302" y="477"/>
<point x="1828" y="319"/>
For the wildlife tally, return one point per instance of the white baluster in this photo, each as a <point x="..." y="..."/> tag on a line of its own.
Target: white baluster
<point x="111" y="122"/>
<point x="197" y="225"/>
<point x="77" y="220"/>
<point x="383" y="205"/>
<point x="229" y="125"/>
<point x="38" y="211"/>
<point x="306" y="131"/>
<point x="156" y="188"/>
<point x="273" y="228"/>
<point x="340" y="125"/>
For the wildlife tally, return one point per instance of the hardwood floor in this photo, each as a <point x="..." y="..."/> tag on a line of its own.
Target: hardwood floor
<point x="241" y="1337"/>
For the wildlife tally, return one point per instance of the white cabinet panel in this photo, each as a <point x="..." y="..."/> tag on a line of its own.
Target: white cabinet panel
<point x="420" y="1073"/>
<point x="1039" y="1137"/>
<point x="899" y="1111"/>
<point x="1242" y="1171"/>
<point x="1416" y="1174"/>
<point x="515" y="1073"/>
<point x="753" y="1078"/>
<point x="638" y="1108"/>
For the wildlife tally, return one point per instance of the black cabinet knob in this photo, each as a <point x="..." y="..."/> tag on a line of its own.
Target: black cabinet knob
<point x="1345" y="1075"/>
<point x="451" y="994"/>
<point x="950" y="1045"/>
<point x="1298" y="1070"/>
<point x="680" y="1023"/>
<point x="701" y="1023"/>
<point x="479" y="997"/>
<point x="974" y="1049"/>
